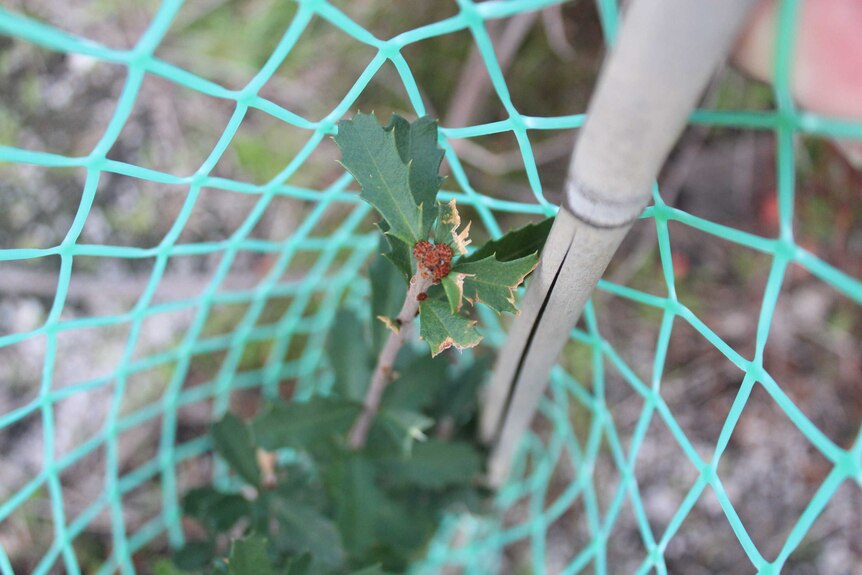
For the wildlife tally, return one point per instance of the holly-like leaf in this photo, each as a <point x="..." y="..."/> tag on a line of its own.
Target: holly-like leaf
<point x="233" y="441"/>
<point x="349" y="352"/>
<point x="370" y="153"/>
<point x="514" y="245"/>
<point x="493" y="282"/>
<point x="417" y="146"/>
<point x="442" y="329"/>
<point x="304" y="425"/>
<point x="435" y="464"/>
<point x="248" y="557"/>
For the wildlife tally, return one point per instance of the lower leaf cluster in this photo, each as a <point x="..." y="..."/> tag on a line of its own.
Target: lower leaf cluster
<point x="308" y="504"/>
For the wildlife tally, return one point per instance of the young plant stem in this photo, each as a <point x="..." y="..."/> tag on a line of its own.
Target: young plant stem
<point x="384" y="370"/>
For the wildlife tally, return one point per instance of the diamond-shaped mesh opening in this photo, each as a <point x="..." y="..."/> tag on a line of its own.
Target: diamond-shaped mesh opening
<point x="170" y="127"/>
<point x="625" y="546"/>
<point x="632" y="328"/>
<point x="665" y="475"/>
<point x="769" y="481"/>
<point x="216" y="215"/>
<point x="160" y="329"/>
<point x="241" y="45"/>
<point x="699" y="387"/>
<point x="105" y="286"/>
<point x="719" y="175"/>
<point x="132" y="212"/>
<point x="694" y="548"/>
<point x="27" y="532"/>
<point x="736" y="277"/>
<point x="814" y="352"/>
<point x="116" y="25"/>
<point x="384" y="94"/>
<point x="457" y="66"/>
<point x="329" y="63"/>
<point x="557" y="54"/>
<point x="828" y="216"/>
<point x="41" y="88"/>
<point x="75" y="433"/>
<point x="23" y="442"/>
<point x="262" y="147"/>
<point x="26" y="223"/>
<point x="21" y="366"/>
<point x="83" y="480"/>
<point x="95" y="361"/>
<point x="831" y="544"/>
<point x="185" y="237"/>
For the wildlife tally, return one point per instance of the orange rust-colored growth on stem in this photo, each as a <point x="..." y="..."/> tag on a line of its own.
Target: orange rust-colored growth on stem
<point x="435" y="258"/>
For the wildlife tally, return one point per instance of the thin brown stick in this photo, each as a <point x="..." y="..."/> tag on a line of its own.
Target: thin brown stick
<point x="383" y="372"/>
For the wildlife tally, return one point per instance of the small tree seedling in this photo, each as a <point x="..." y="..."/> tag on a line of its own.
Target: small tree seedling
<point x="350" y="481"/>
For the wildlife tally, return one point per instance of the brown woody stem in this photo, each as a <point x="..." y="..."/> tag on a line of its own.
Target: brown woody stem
<point x="384" y="371"/>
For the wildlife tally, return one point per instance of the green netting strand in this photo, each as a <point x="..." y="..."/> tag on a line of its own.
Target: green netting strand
<point x="470" y="543"/>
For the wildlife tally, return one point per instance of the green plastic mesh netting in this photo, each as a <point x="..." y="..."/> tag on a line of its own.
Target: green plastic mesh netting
<point x="578" y="479"/>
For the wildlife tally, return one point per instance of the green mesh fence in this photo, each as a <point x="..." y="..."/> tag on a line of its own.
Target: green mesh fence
<point x="473" y="544"/>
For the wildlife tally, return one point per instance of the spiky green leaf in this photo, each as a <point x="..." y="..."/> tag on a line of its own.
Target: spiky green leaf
<point x="370" y="153"/>
<point x="442" y="329"/>
<point x="493" y="282"/>
<point x="516" y="244"/>
<point x="397" y="252"/>
<point x="417" y="146"/>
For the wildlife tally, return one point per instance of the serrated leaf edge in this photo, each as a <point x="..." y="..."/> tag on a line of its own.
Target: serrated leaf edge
<point x="512" y="288"/>
<point x="449" y="342"/>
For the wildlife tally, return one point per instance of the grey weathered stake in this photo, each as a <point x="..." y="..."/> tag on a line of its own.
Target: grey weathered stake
<point x="666" y="52"/>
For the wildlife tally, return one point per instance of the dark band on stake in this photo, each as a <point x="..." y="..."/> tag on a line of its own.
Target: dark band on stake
<point x="599" y="210"/>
